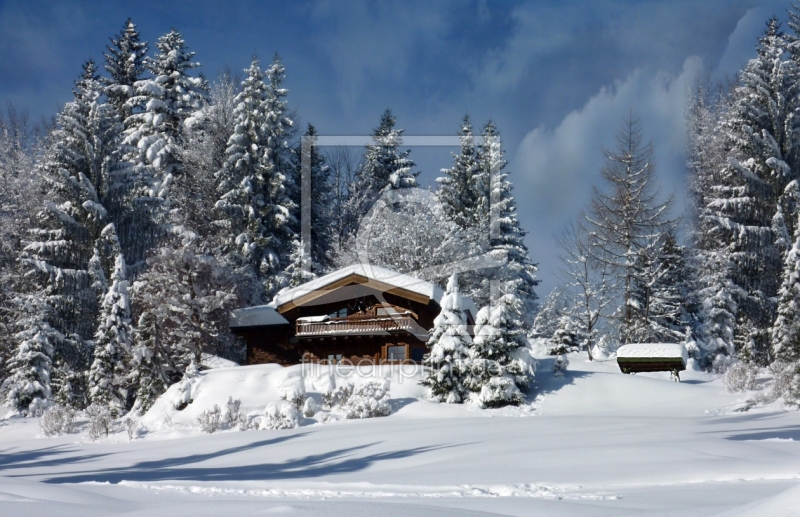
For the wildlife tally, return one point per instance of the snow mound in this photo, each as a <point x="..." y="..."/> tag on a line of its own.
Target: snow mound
<point x="262" y="388"/>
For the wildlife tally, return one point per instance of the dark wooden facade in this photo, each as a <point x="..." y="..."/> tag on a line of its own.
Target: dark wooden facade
<point x="354" y="319"/>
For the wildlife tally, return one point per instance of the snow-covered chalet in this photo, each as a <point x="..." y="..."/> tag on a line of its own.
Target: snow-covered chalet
<point x="358" y="313"/>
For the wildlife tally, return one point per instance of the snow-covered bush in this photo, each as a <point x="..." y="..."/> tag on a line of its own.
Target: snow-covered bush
<point x="38" y="407"/>
<point x="100" y="421"/>
<point x="560" y="366"/>
<point x="293" y="390"/>
<point x="310" y="408"/>
<point x="339" y="396"/>
<point x="740" y="377"/>
<point x="280" y="415"/>
<point x="499" y="391"/>
<point x="369" y="400"/>
<point x="233" y="413"/>
<point x="782" y="374"/>
<point x="325" y="384"/>
<point x="131" y="427"/>
<point x="57" y="420"/>
<point x="183" y="396"/>
<point x="210" y="419"/>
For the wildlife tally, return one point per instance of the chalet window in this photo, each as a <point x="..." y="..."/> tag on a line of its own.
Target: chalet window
<point x="334" y="358"/>
<point x="396" y="353"/>
<point x="341" y="313"/>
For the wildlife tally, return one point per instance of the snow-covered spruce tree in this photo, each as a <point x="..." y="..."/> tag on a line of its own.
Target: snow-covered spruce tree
<point x="464" y="187"/>
<point x="112" y="344"/>
<point x="763" y="161"/>
<point x="20" y="200"/>
<point x="59" y="249"/>
<point x="786" y="330"/>
<point x="626" y="216"/>
<point x="125" y="63"/>
<point x="464" y="193"/>
<point x="494" y="370"/>
<point x="506" y="236"/>
<point x="204" y="155"/>
<point x="154" y="140"/>
<point x="322" y="204"/>
<point x="567" y="337"/>
<point x="299" y="270"/>
<point x="148" y="367"/>
<point x="189" y="294"/>
<point x="448" y="349"/>
<point x="28" y="383"/>
<point x="384" y="167"/>
<point x="660" y="309"/>
<point x="279" y="128"/>
<point x="253" y="186"/>
<point x="743" y="212"/>
<point x="712" y="263"/>
<point x="718" y="313"/>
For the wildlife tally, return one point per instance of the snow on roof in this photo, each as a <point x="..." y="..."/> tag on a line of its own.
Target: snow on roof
<point x="665" y="350"/>
<point x="258" y="316"/>
<point x="377" y="273"/>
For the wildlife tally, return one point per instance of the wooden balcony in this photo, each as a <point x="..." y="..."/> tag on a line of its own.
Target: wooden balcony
<point x="354" y="325"/>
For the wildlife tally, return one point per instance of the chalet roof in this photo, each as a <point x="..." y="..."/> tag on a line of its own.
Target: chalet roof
<point x="381" y="278"/>
<point x="258" y="316"/>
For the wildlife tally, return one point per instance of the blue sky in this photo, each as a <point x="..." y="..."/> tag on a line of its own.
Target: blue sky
<point x="555" y="76"/>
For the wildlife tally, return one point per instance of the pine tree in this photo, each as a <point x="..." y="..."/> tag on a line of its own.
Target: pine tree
<point x="567" y="336"/>
<point x="745" y="201"/>
<point x="657" y="294"/>
<point x="322" y="204"/>
<point x="463" y="188"/>
<point x="448" y="348"/>
<point x="624" y="221"/>
<point x="494" y="370"/>
<point x="148" y="365"/>
<point x="125" y="63"/>
<point x="59" y="253"/>
<point x="154" y="138"/>
<point x="253" y="186"/>
<point x="112" y="345"/>
<point x="384" y="168"/>
<point x="189" y="294"/>
<point x="709" y="186"/>
<point x="785" y="331"/>
<point x="28" y="384"/>
<point x="506" y="237"/>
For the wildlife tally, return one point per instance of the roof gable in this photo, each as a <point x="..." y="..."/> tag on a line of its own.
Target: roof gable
<point x="375" y="277"/>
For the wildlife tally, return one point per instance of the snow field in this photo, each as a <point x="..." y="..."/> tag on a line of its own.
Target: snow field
<point x="594" y="442"/>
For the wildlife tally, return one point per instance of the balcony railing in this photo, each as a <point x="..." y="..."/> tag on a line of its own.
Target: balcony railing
<point x="354" y="325"/>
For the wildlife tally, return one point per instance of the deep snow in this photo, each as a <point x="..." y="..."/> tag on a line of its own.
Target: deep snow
<point x="595" y="442"/>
